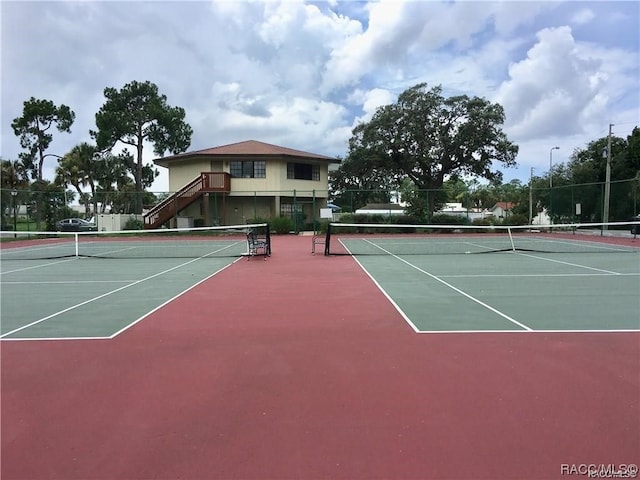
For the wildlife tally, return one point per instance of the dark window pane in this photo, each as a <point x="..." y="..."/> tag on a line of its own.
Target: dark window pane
<point x="259" y="169"/>
<point x="303" y="171"/>
<point x="235" y="169"/>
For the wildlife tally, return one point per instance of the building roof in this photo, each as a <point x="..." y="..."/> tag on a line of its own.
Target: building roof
<point x="504" y="206"/>
<point x="247" y="148"/>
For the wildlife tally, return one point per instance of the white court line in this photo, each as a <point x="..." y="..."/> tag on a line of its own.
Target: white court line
<point x="543" y="275"/>
<point x="51" y="339"/>
<point x="470" y="297"/>
<point x="391" y="300"/>
<point x="66" y="282"/>
<point x="73" y="307"/>
<point x="449" y="332"/>
<point x="40" y="266"/>
<point x="567" y="263"/>
<point x="127" y="327"/>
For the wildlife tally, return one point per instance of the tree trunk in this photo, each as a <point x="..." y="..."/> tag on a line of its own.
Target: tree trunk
<point x="138" y="195"/>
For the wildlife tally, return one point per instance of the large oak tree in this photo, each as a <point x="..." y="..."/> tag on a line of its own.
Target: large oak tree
<point x="427" y="138"/>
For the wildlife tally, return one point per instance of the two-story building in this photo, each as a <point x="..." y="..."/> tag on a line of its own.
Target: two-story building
<point x="234" y="184"/>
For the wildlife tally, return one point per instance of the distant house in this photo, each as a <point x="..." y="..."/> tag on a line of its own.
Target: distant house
<point x="502" y="209"/>
<point x="233" y="184"/>
<point x="457" y="210"/>
<point x="453" y="209"/>
<point x="381" y="209"/>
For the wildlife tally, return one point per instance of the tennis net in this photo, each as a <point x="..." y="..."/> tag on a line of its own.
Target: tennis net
<point x="381" y="239"/>
<point x="223" y="241"/>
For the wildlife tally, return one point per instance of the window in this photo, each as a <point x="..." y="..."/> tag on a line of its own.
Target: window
<point x="288" y="209"/>
<point x="248" y="169"/>
<point x="303" y="171"/>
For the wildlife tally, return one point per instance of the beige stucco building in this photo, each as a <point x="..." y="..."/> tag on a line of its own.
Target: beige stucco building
<point x="237" y="183"/>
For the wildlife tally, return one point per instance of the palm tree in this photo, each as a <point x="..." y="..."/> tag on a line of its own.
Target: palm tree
<point x="14" y="177"/>
<point x="85" y="199"/>
<point x="113" y="180"/>
<point x="80" y="169"/>
<point x="14" y="174"/>
<point x="71" y="171"/>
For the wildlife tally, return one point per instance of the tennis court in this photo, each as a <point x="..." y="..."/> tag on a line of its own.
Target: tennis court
<point x="97" y="286"/>
<point x="443" y="282"/>
<point x="405" y="365"/>
<point x="512" y="291"/>
<point x="92" y="298"/>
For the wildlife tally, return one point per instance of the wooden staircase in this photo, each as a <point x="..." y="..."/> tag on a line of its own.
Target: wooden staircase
<point x="170" y="206"/>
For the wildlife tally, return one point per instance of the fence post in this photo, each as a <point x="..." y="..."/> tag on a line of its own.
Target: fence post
<point x="313" y="209"/>
<point x="295" y="213"/>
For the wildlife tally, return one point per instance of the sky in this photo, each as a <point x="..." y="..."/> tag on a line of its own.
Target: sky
<point x="303" y="74"/>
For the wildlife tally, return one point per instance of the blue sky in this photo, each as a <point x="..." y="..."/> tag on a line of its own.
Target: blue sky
<point x="303" y="74"/>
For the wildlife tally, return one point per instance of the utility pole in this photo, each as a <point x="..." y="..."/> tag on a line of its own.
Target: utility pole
<point x="607" y="181"/>
<point x="531" y="197"/>
<point x="551" y="181"/>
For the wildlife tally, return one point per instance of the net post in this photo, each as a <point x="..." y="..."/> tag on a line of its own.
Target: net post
<point x="327" y="240"/>
<point x="76" y="244"/>
<point x="268" y="239"/>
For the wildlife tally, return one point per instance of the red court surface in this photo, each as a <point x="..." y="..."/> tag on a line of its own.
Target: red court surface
<point x="299" y="368"/>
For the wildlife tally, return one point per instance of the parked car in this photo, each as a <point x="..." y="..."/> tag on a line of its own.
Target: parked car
<point x="635" y="229"/>
<point x="75" y="225"/>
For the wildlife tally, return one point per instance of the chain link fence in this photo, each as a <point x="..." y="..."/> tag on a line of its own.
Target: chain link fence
<point x="583" y="203"/>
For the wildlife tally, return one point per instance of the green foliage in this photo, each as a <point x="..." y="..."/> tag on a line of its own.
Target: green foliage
<point x="424" y="138"/>
<point x="47" y="202"/>
<point x="33" y="129"/>
<point x="321" y="225"/>
<point x="371" y="218"/>
<point x="281" y="225"/>
<point x="442" y="219"/>
<point x="138" y="113"/>
<point x="582" y="179"/>
<point x="133" y="223"/>
<point x="380" y="219"/>
<point x="13" y="177"/>
<point x="515" y="219"/>
<point x="357" y="183"/>
<point x="78" y="169"/>
<point x="483" y="221"/>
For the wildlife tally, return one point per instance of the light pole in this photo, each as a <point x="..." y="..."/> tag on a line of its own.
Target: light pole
<point x="551" y="180"/>
<point x="607" y="181"/>
<point x="99" y="156"/>
<point x="14" y="194"/>
<point x="551" y="165"/>
<point x="531" y="198"/>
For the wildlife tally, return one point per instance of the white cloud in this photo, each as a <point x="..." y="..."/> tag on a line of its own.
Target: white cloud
<point x="551" y="91"/>
<point x="303" y="74"/>
<point x="402" y="36"/>
<point x="583" y="16"/>
<point x="370" y="101"/>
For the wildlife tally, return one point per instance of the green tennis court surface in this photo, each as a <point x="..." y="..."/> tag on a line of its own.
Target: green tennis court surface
<point x="92" y="297"/>
<point x="98" y="284"/>
<point x="221" y="241"/>
<point x="511" y="291"/>
<point x="556" y="282"/>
